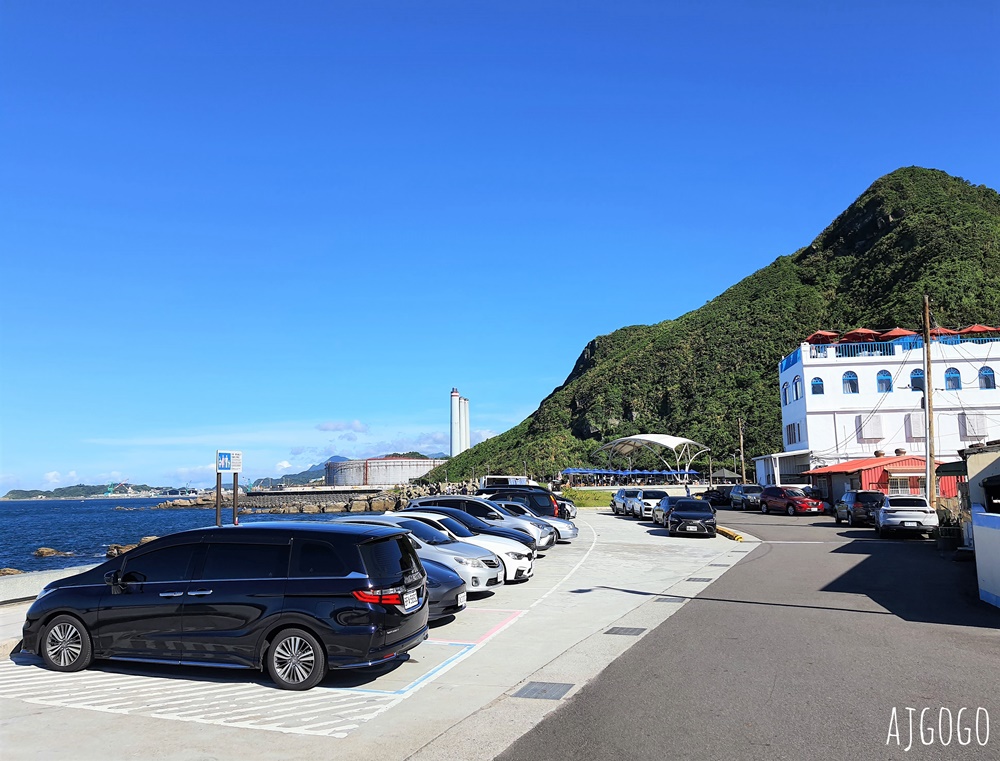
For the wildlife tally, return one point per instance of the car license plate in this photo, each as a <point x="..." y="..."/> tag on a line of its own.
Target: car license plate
<point x="410" y="598"/>
<point x="909" y="523"/>
<point x="690" y="528"/>
<point x="461" y="599"/>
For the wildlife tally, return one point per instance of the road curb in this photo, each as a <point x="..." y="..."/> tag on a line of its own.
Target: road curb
<point x="7" y="646"/>
<point x="729" y="533"/>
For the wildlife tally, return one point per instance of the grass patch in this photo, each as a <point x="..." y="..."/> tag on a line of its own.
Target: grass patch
<point x="588" y="498"/>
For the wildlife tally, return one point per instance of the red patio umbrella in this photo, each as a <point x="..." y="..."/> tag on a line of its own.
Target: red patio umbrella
<point x="822" y="337"/>
<point x="859" y="334"/>
<point x="889" y="335"/>
<point x="977" y="329"/>
<point x="943" y="332"/>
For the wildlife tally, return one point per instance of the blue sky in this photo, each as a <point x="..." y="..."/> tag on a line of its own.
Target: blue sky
<point x="291" y="228"/>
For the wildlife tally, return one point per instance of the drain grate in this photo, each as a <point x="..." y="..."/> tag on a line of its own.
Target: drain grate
<point x="698" y="579"/>
<point x="718" y="565"/>
<point x="669" y="598"/>
<point x="625" y="630"/>
<point x="543" y="690"/>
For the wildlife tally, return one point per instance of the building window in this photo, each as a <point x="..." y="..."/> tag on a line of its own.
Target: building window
<point x="986" y="378"/>
<point x="797" y="388"/>
<point x="899" y="485"/>
<point x="793" y="433"/>
<point x="952" y="379"/>
<point x="784" y="395"/>
<point x="915" y="426"/>
<point x="973" y="425"/>
<point x="884" y="381"/>
<point x="817" y="386"/>
<point x="850" y="382"/>
<point x="869" y="427"/>
<point x="917" y="380"/>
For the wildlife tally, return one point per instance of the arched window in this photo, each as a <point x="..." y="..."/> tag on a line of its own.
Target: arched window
<point x="784" y="394"/>
<point x="817" y="385"/>
<point x="986" y="378"/>
<point x="850" y="382"/>
<point x="884" y="379"/>
<point x="917" y="380"/>
<point x="952" y="379"/>
<point x="797" y="387"/>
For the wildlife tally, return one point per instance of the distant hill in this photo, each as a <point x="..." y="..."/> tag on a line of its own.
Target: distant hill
<point x="914" y="231"/>
<point x="77" y="492"/>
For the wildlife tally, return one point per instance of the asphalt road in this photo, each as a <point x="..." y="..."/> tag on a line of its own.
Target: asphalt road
<point x="803" y="650"/>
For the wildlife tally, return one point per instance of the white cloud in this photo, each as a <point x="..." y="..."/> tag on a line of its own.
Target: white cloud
<point x="341" y="425"/>
<point x="475" y="437"/>
<point x="53" y="477"/>
<point x="284" y="465"/>
<point x="71" y="476"/>
<point x="349" y="436"/>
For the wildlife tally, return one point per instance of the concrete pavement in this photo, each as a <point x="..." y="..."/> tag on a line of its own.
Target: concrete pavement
<point x="588" y="603"/>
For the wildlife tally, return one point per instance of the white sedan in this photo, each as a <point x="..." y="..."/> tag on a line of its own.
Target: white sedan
<point x="517" y="559"/>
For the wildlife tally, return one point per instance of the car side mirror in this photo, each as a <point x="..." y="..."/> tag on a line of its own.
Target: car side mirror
<point x="113" y="580"/>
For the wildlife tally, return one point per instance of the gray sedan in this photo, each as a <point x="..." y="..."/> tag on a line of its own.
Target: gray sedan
<point x="565" y="530"/>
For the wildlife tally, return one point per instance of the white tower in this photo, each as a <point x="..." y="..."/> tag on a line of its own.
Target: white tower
<point x="463" y="415"/>
<point x="456" y="423"/>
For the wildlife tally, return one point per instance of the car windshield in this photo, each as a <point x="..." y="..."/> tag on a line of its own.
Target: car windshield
<point x="692" y="506"/>
<point x="455" y="527"/>
<point x="425" y="533"/>
<point x="795" y="493"/>
<point x="752" y="489"/>
<point x="515" y="508"/>
<point x="631" y="493"/>
<point x="870" y="497"/>
<point x="653" y="494"/>
<point x="907" y="502"/>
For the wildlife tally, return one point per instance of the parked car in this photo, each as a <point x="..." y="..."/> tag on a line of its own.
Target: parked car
<point x="718" y="495"/>
<point x="858" y="508"/>
<point x="543" y="501"/>
<point x="475" y="525"/>
<point x="566" y="530"/>
<point x="478" y="568"/>
<point x="445" y="590"/>
<point x="618" y="500"/>
<point x="642" y="504"/>
<point x="490" y="512"/>
<point x="518" y="560"/>
<point x="788" y="499"/>
<point x="905" y="513"/>
<point x="663" y="507"/>
<point x="689" y="517"/>
<point x="295" y="598"/>
<point x="745" y="497"/>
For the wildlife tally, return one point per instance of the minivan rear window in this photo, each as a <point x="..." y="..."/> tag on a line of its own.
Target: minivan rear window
<point x="869" y="497"/>
<point x="388" y="558"/>
<point x="316" y="559"/>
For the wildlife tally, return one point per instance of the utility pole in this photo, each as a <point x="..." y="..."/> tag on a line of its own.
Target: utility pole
<point x="930" y="477"/>
<point x="743" y="462"/>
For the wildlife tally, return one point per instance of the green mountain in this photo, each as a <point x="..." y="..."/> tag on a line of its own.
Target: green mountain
<point x="914" y="231"/>
<point x="76" y="492"/>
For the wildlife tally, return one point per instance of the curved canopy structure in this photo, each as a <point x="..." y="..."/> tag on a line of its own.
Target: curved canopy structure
<point x="684" y="450"/>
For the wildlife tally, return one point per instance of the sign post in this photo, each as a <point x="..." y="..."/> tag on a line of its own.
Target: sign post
<point x="227" y="462"/>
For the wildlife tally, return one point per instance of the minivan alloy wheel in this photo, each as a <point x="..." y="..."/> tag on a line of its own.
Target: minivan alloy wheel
<point x="295" y="660"/>
<point x="66" y="645"/>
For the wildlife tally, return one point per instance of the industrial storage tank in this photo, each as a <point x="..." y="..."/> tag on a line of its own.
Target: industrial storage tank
<point x="378" y="471"/>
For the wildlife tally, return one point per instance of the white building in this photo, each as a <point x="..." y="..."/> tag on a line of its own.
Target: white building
<point x="382" y="472"/>
<point x="846" y="401"/>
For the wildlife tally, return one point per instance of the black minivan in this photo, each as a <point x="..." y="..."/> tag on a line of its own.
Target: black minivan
<point x="299" y="598"/>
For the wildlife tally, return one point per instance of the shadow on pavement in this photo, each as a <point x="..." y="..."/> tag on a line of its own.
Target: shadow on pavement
<point x="914" y="581"/>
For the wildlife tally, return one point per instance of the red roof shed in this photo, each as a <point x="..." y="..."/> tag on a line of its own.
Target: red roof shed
<point x="873" y="473"/>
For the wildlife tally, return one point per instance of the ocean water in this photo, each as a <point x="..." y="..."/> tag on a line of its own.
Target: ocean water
<point x="86" y="527"/>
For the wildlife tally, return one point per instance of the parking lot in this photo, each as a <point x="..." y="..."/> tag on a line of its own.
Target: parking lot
<point x="479" y="682"/>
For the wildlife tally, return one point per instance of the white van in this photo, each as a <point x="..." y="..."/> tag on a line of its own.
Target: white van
<point x="487" y="481"/>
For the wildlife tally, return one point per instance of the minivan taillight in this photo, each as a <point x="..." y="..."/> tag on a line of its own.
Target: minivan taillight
<point x="391" y="596"/>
